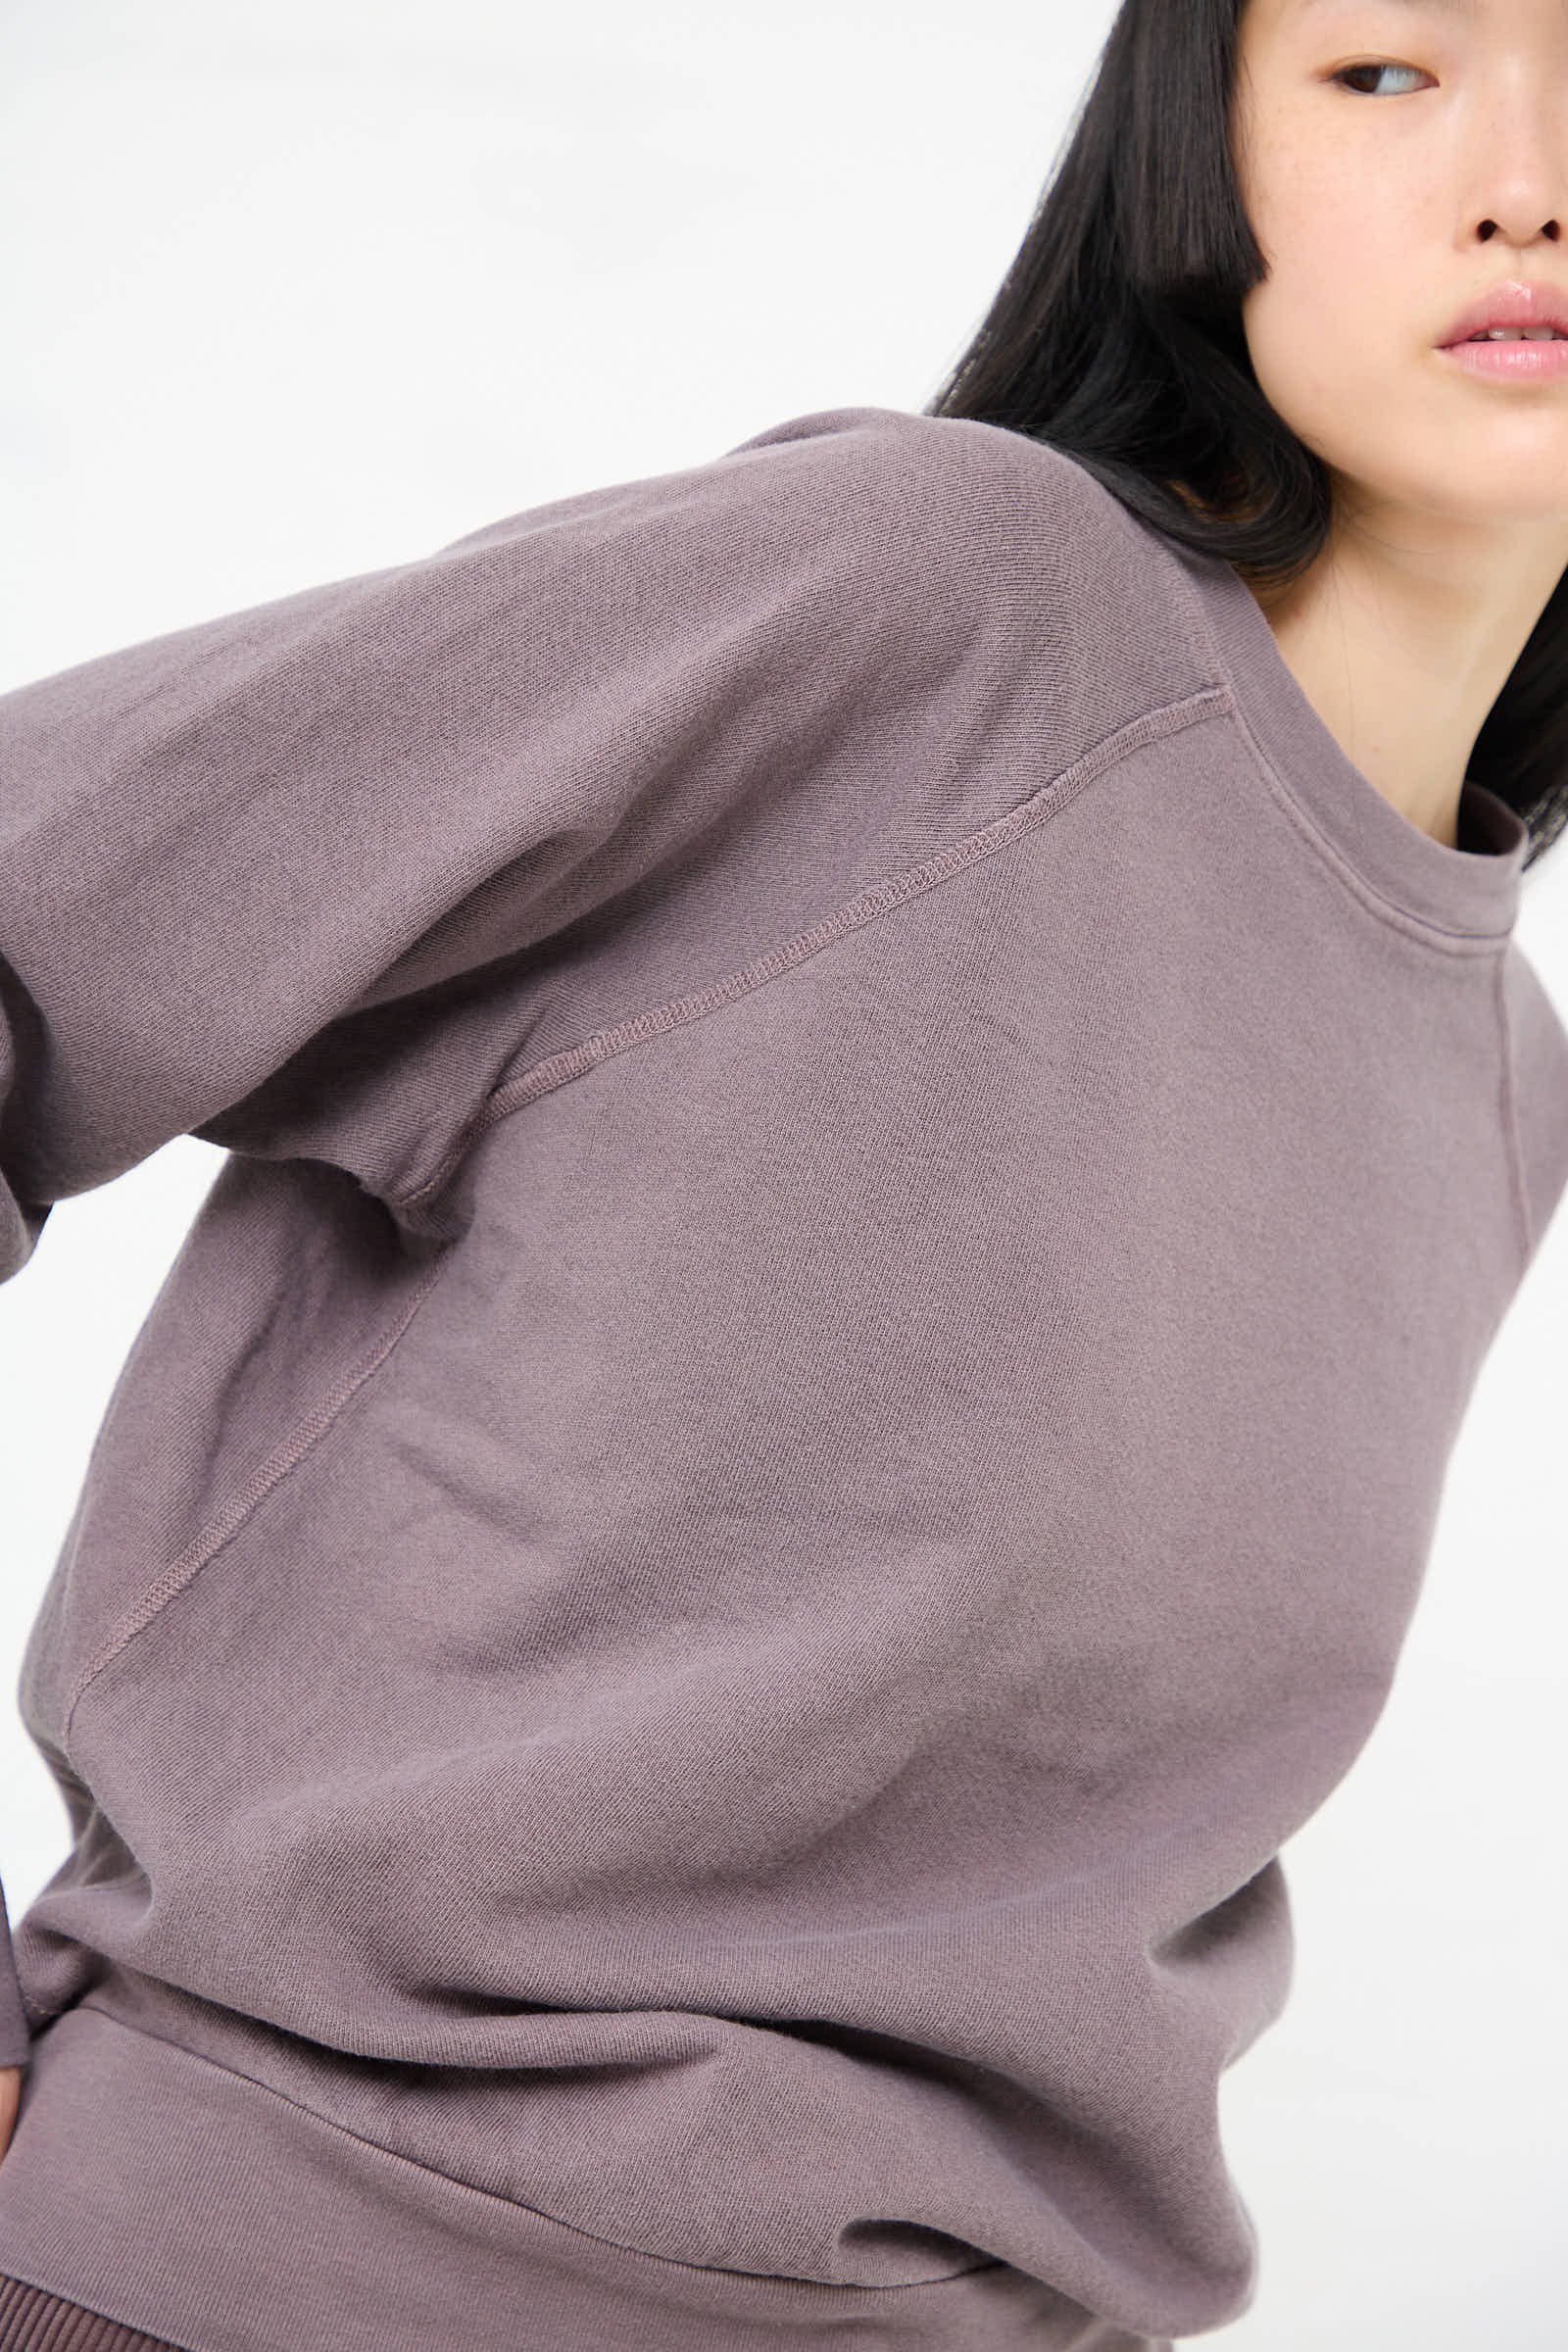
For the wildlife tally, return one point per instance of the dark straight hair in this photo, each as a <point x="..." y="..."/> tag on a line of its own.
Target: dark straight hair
<point x="1116" y="336"/>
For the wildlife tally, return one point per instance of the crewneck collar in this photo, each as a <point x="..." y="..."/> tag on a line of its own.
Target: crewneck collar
<point x="1473" y="891"/>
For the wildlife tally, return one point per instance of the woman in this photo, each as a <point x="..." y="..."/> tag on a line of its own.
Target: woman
<point x="806" y="1421"/>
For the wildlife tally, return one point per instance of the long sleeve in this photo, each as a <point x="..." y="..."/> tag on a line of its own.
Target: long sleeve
<point x="279" y="880"/>
<point x="241" y="863"/>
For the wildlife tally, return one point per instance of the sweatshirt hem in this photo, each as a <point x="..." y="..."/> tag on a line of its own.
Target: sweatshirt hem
<point x="202" y="2208"/>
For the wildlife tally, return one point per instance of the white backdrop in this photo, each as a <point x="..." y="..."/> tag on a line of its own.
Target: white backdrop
<point x="299" y="289"/>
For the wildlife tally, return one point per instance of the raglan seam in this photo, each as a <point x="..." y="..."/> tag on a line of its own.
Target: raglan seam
<point x="226" y="1522"/>
<point x="417" y="1209"/>
<point x="559" y="1068"/>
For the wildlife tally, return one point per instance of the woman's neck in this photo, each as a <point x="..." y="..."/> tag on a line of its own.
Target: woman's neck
<point x="1403" y="650"/>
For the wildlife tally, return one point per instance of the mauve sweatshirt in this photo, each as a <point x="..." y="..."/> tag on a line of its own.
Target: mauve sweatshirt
<point x="866" y="1182"/>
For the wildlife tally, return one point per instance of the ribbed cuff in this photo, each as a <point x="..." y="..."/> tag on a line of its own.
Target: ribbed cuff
<point x="32" y="2322"/>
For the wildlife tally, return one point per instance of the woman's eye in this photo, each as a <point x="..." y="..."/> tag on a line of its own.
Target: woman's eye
<point x="1344" y="76"/>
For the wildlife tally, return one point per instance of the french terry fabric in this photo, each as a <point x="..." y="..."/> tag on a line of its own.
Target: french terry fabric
<point x="866" y="1184"/>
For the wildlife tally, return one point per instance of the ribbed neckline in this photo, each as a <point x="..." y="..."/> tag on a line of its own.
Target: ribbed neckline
<point x="1472" y="891"/>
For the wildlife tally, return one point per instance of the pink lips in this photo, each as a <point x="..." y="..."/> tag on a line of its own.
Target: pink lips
<point x="1521" y="362"/>
<point x="1514" y="304"/>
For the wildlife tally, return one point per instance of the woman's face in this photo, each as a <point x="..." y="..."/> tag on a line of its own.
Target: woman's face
<point x="1398" y="159"/>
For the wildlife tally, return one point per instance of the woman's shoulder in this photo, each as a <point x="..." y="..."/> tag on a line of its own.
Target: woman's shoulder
<point x="959" y="466"/>
<point x="988" y="516"/>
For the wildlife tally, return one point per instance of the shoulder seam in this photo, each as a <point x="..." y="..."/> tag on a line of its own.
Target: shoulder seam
<point x="559" y="1068"/>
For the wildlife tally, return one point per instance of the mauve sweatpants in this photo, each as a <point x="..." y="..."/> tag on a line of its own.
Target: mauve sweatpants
<point x="32" y="2322"/>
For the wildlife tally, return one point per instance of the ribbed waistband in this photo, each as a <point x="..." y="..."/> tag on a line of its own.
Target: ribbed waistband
<point x="217" y="2215"/>
<point x="31" y="2320"/>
